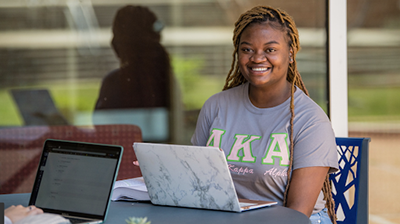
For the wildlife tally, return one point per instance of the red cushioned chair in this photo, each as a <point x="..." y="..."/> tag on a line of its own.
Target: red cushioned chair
<point x="21" y="147"/>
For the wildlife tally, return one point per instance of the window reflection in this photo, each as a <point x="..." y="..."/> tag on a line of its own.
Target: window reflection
<point x="138" y="92"/>
<point x="60" y="52"/>
<point x="65" y="48"/>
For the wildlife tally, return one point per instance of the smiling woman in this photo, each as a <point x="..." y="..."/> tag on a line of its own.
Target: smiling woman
<point x="264" y="58"/>
<point x="265" y="122"/>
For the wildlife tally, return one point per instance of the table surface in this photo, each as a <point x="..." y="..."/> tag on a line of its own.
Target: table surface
<point x="120" y="211"/>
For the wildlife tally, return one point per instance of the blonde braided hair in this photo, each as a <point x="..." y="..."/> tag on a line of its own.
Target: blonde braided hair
<point x="278" y="19"/>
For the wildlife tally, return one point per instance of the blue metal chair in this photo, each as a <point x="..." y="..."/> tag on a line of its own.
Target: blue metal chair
<point x="351" y="177"/>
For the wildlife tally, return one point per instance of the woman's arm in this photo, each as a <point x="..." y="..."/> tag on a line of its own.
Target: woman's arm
<point x="16" y="213"/>
<point x="305" y="186"/>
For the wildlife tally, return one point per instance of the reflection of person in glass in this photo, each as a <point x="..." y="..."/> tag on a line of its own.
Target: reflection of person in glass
<point x="143" y="78"/>
<point x="266" y="123"/>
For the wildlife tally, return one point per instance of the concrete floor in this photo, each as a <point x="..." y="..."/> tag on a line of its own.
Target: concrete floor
<point x="384" y="177"/>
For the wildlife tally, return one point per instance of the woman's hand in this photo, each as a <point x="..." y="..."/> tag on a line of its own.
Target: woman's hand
<point x="305" y="187"/>
<point x="16" y="213"/>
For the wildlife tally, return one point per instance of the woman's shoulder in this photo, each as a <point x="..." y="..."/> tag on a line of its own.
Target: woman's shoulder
<point x="224" y="100"/>
<point x="305" y="106"/>
<point x="230" y="94"/>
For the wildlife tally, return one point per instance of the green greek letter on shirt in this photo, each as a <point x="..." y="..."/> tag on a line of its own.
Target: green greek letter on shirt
<point x="242" y="143"/>
<point x="277" y="149"/>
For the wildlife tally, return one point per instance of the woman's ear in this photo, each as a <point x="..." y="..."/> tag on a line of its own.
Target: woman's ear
<point x="291" y="55"/>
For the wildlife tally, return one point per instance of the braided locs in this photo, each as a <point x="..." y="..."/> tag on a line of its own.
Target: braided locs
<point x="278" y="19"/>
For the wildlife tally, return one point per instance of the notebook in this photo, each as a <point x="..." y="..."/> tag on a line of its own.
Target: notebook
<point x="75" y="179"/>
<point x="190" y="176"/>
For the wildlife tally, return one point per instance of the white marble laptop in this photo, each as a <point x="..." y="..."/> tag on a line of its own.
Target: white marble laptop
<point x="190" y="176"/>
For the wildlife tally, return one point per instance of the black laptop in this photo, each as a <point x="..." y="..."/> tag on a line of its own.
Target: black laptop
<point x="75" y="179"/>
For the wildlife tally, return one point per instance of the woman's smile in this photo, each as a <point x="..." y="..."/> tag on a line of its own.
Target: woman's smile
<point x="260" y="69"/>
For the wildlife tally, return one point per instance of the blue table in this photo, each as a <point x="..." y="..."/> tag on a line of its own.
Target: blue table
<point x="120" y="211"/>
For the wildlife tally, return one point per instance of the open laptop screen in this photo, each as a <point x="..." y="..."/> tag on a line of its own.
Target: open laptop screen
<point x="75" y="178"/>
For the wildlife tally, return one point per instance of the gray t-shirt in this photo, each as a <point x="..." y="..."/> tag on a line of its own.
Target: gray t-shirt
<point x="256" y="141"/>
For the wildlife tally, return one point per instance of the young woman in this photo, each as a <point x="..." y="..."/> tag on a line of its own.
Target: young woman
<point x="279" y="144"/>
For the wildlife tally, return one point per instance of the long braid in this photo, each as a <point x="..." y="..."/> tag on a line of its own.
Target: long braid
<point x="292" y="88"/>
<point x="235" y="78"/>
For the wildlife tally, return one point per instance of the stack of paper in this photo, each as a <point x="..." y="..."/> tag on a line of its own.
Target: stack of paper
<point x="133" y="189"/>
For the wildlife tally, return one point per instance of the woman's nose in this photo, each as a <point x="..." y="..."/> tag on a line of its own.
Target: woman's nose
<point x="258" y="57"/>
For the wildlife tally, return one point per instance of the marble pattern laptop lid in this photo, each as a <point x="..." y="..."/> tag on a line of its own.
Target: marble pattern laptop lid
<point x="178" y="175"/>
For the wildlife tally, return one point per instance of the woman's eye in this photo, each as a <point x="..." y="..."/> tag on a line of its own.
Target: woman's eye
<point x="270" y="50"/>
<point x="246" y="49"/>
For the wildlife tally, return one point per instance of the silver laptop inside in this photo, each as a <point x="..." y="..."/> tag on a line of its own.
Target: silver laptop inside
<point x="190" y="176"/>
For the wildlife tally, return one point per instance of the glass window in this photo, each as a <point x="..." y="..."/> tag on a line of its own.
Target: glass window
<point x="76" y="63"/>
<point x="374" y="103"/>
<point x="65" y="51"/>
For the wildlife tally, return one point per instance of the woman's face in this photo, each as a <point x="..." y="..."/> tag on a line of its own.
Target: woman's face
<point x="264" y="56"/>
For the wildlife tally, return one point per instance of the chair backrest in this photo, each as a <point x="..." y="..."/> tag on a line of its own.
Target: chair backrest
<point x="350" y="183"/>
<point x="21" y="147"/>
